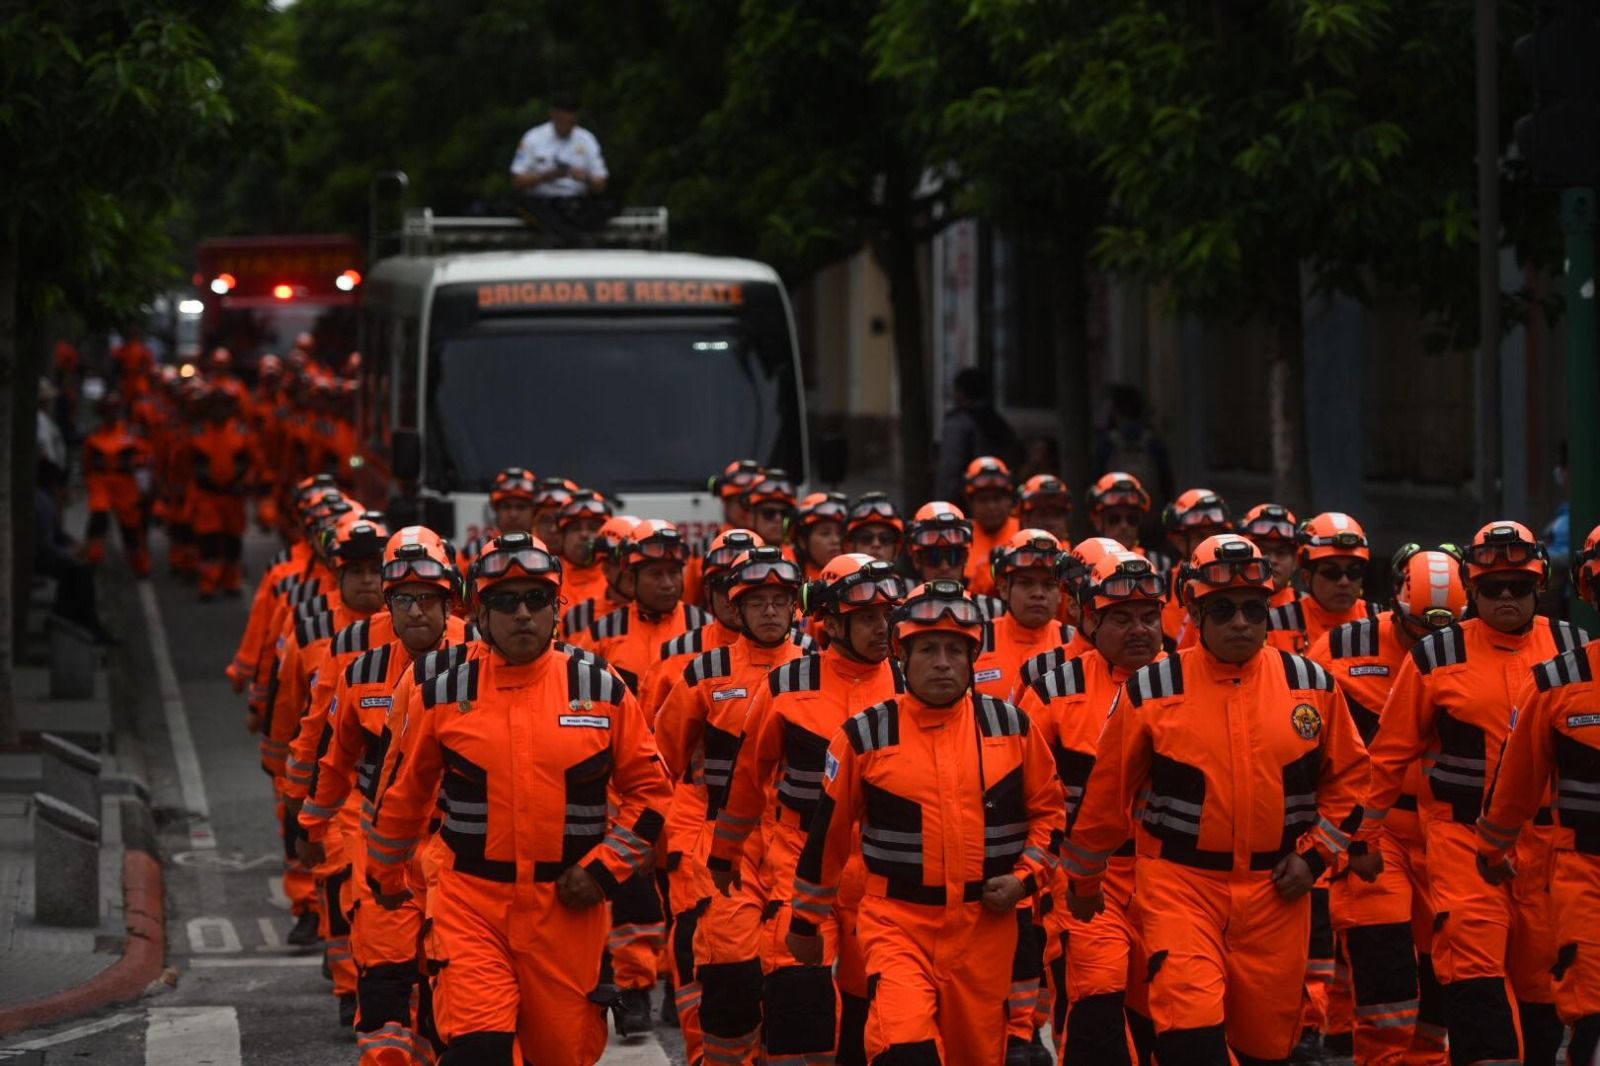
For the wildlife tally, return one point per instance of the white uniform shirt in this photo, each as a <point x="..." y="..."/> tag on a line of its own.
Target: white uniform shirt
<point x="541" y="149"/>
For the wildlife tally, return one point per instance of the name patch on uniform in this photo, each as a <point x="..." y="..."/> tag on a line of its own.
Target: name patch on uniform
<point x="1378" y="670"/>
<point x="986" y="675"/>
<point x="729" y="694"/>
<point x="586" y="721"/>
<point x="1307" y="721"/>
<point x="1574" y="721"/>
<point x="830" y="767"/>
<point x="377" y="701"/>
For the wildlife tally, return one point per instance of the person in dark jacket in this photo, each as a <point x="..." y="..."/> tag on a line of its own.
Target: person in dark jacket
<point x="971" y="428"/>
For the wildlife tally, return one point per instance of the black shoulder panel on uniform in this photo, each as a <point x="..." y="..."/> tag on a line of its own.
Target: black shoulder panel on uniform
<point x="797" y="675"/>
<point x="1288" y="618"/>
<point x="309" y="629"/>
<point x="1304" y="673"/>
<point x="688" y="643"/>
<point x="987" y="643"/>
<point x="353" y="637"/>
<point x="876" y="727"/>
<point x="437" y="662"/>
<point x="1065" y="680"/>
<point x="1567" y="636"/>
<point x="718" y="662"/>
<point x="279" y="559"/>
<point x="1444" y="647"/>
<point x="370" y="667"/>
<point x="614" y="624"/>
<point x="593" y="682"/>
<point x="1563" y="670"/>
<point x="1160" y="679"/>
<point x="695" y="617"/>
<point x="1353" y="640"/>
<point x="997" y="718"/>
<point x="455" y="685"/>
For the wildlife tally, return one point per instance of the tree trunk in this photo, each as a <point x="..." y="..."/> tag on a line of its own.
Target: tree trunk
<point x="896" y="251"/>
<point x="1073" y="406"/>
<point x="1286" y="393"/>
<point x="8" y="400"/>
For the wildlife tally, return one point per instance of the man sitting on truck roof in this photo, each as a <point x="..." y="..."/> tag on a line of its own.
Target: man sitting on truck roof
<point x="561" y="172"/>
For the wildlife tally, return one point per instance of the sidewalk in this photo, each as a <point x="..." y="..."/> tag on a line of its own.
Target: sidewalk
<point x="50" y="973"/>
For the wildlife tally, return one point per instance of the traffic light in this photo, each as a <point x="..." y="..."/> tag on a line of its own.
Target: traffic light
<point x="1560" y="140"/>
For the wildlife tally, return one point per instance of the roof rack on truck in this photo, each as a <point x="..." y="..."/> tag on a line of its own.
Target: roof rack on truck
<point x="425" y="233"/>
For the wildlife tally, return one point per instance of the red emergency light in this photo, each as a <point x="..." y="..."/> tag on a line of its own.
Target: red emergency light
<point x="282" y="291"/>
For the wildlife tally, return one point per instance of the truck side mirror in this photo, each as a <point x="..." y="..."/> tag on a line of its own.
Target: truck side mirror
<point x="405" y="454"/>
<point x="833" y="458"/>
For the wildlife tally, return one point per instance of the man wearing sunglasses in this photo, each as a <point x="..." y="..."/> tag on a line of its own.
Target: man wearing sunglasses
<point x="1554" y="751"/>
<point x="1333" y="559"/>
<point x="1385" y="927"/>
<point x="1118" y="504"/>
<point x="991" y="497"/>
<point x="775" y="785"/>
<point x="1190" y="519"/>
<point x="350" y="706"/>
<point x="1452" y="707"/>
<point x="1240" y="773"/>
<point x="770" y="502"/>
<point x="955" y="804"/>
<point x="553" y="797"/>
<point x="874" y="527"/>
<point x="818" y="531"/>
<point x="1121" y="613"/>
<point x="698" y="729"/>
<point x="939" y="540"/>
<point x="1275" y="531"/>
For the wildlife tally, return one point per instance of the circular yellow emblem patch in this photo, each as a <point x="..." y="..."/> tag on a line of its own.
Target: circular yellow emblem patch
<point x="1307" y="721"/>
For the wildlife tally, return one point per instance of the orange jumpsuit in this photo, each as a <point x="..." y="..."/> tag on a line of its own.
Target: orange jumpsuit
<point x="1451" y="707"/>
<point x="112" y="458"/>
<point x="676" y="654"/>
<point x="523" y="758"/>
<point x="226" y="460"/>
<point x="1385" y="926"/>
<point x="772" y="795"/>
<point x="1091" y="981"/>
<point x="1555" y="750"/>
<point x="287" y="563"/>
<point x="979" y="572"/>
<point x="944" y="799"/>
<point x="1225" y="770"/>
<point x="582" y="583"/>
<point x="698" y="729"/>
<point x="1300" y="622"/>
<point x="577" y="619"/>
<point x="1036" y="667"/>
<point x="630" y="638"/>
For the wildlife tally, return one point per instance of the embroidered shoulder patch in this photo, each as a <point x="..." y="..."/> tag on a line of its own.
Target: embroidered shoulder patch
<point x="1307" y="721"/>
<point x="830" y="767"/>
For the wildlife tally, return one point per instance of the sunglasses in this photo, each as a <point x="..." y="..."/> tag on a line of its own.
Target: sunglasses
<point x="1353" y="574"/>
<point x="504" y="601"/>
<point x="1222" y="612"/>
<point x="1494" y="588"/>
<point x="402" y="602"/>
<point x="870" y="536"/>
<point x="772" y="514"/>
<point x="947" y="556"/>
<point x="1120" y="517"/>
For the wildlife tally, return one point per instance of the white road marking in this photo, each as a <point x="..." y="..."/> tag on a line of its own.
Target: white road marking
<point x="275" y="893"/>
<point x="269" y="934"/>
<point x="225" y="940"/>
<point x="218" y="962"/>
<point x="77" y="1032"/>
<point x="190" y="780"/>
<point x="194" y="1036"/>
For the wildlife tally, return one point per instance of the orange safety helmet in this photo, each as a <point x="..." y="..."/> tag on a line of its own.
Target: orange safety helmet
<point x="1429" y="590"/>
<point x="356" y="535"/>
<point x="1118" y="489"/>
<point x="1586" y="568"/>
<point x="515" y="555"/>
<point x="352" y="365"/>
<point x="269" y="366"/>
<point x="220" y="361"/>
<point x="772" y="487"/>
<point x="725" y="551"/>
<point x="418" y="555"/>
<point x="553" y="492"/>
<point x="1270" y="522"/>
<point x="735" y="478"/>
<point x="940" y="523"/>
<point x="1332" y="535"/>
<point x="652" y="540"/>
<point x="763" y="567"/>
<point x="584" y="504"/>
<point x="1122" y="577"/>
<point x="936" y="607"/>
<point x="1224" y="561"/>
<point x="1028" y="549"/>
<point x="615" y="530"/>
<point x="1196" y="509"/>
<point x="851" y="582"/>
<point x="1045" y="491"/>
<point x="1505" y="546"/>
<point x="513" y="483"/>
<point x="875" y="509"/>
<point x="1073" y="567"/>
<point x="988" y="472"/>
<point x="822" y="507"/>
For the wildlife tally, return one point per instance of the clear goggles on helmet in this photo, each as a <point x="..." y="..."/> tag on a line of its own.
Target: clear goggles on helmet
<point x="1049" y="494"/>
<point x="587" y="507"/>
<point x="1431" y="617"/>
<point x="1223" y="572"/>
<point x="940" y="600"/>
<point x="833" y="509"/>
<point x="1130" y="585"/>
<point x="725" y="554"/>
<point x="413" y="560"/>
<point x="1205" y="514"/>
<point x="1122" y="493"/>
<point x="743" y="475"/>
<point x="873" y="509"/>
<point x="1507" y="547"/>
<point x="520" y="553"/>
<point x="930" y="533"/>
<point x="876" y="582"/>
<point x="1040" y="552"/>
<point x="1270" y="525"/>
<point x="666" y="545"/>
<point x="521" y="485"/>
<point x="766" y="571"/>
<point x="990" y="479"/>
<point x="1345" y="540"/>
<point x="768" y="491"/>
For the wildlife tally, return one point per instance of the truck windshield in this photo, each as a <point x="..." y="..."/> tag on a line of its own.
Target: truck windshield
<point x="647" y="404"/>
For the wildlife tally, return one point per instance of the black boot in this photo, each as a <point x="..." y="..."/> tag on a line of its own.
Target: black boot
<point x="632" y="1012"/>
<point x="304" y="934"/>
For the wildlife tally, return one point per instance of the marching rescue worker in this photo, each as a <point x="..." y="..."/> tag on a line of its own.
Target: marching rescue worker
<point x="729" y="487"/>
<point x="1452" y="707"/>
<point x="818" y="531"/>
<point x="1246" y="774"/>
<point x="770" y="502"/>
<point x="1193" y="517"/>
<point x="549" y="496"/>
<point x="956" y="804"/>
<point x="1072" y="574"/>
<point x="1385" y="927"/>
<point x="991" y="494"/>
<point x="226" y="460"/>
<point x="1118" y="505"/>
<point x="939" y="543"/>
<point x="521" y="749"/>
<point x="511" y="496"/>
<point x="1333" y="560"/>
<point x="1025" y="579"/>
<point x="698" y="729"/>
<point x="115" y="460"/>
<point x="720" y="630"/>
<point x="1275" y="531"/>
<point x="606" y="545"/>
<point x="1044" y="502"/>
<point x="760" y="829"/>
<point x="874" y="527"/>
<point x="420" y="584"/>
<point x="579" y="522"/>
<point x="177" y="477"/>
<point x="1090" y="983"/>
<point x="1553" y="755"/>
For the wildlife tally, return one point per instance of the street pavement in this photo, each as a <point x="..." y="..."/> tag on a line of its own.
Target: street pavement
<point x="235" y="994"/>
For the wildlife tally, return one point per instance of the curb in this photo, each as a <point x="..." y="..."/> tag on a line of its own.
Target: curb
<point x="143" y="953"/>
